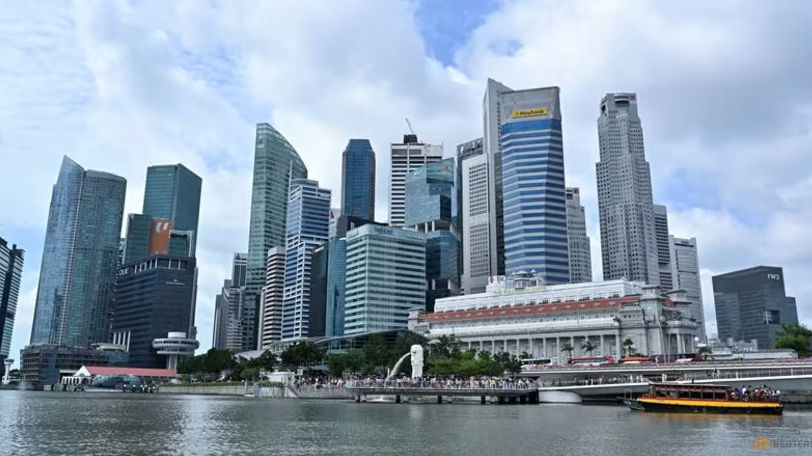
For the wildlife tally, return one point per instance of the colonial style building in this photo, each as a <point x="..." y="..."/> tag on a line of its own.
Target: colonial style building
<point x="517" y="314"/>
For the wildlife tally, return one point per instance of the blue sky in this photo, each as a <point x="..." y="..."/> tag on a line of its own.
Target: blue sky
<point x="724" y="97"/>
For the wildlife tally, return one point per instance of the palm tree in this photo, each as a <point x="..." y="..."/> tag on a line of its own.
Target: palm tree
<point x="628" y="346"/>
<point x="588" y="347"/>
<point x="567" y="347"/>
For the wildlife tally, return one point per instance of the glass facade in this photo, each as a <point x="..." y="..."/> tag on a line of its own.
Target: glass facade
<point x="532" y="178"/>
<point x="137" y="244"/>
<point x="154" y="296"/>
<point x="318" y="290"/>
<point x="40" y="365"/>
<point x="358" y="180"/>
<point x="307" y="226"/>
<point x="11" y="270"/>
<point x="79" y="257"/>
<point x="173" y="192"/>
<point x="276" y="164"/>
<point x="430" y="193"/>
<point x="336" y="276"/>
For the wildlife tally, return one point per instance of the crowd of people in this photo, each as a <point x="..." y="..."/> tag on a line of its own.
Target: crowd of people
<point x="759" y="393"/>
<point x="505" y="383"/>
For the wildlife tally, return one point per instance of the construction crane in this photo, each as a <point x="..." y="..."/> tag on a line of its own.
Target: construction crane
<point x="410" y="125"/>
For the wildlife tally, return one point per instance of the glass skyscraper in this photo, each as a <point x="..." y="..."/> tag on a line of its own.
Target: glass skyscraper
<point x="11" y="270"/>
<point x="523" y="140"/>
<point x="173" y="192"/>
<point x="336" y="277"/>
<point x="307" y="226"/>
<point x="79" y="257"/>
<point x="276" y="165"/>
<point x="358" y="180"/>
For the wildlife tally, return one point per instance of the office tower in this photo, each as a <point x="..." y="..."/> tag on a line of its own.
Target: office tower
<point x="239" y="267"/>
<point x="625" y="205"/>
<point x="79" y="257"/>
<point x="307" y="225"/>
<point x="122" y="250"/>
<point x="476" y="230"/>
<point x="153" y="296"/>
<point x="335" y="295"/>
<point x="522" y="139"/>
<point x="386" y="277"/>
<point x="580" y="257"/>
<point x="318" y="290"/>
<point x="663" y="249"/>
<point x="11" y="271"/>
<point x="751" y="304"/>
<point x="172" y="192"/>
<point x="276" y="165"/>
<point x="685" y="275"/>
<point x="273" y="293"/>
<point x="228" y="331"/>
<point x="358" y="180"/>
<point x="405" y="157"/>
<point x="429" y="195"/>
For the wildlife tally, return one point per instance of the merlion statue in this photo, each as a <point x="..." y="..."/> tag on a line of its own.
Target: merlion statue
<point x="417" y="361"/>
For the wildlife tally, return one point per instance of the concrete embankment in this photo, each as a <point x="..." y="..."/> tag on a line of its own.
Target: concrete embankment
<point x="260" y="391"/>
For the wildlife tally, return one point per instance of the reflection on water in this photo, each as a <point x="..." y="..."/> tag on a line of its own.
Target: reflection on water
<point x="109" y="423"/>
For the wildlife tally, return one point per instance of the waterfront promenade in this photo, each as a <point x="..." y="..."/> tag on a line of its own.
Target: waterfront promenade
<point x="510" y="391"/>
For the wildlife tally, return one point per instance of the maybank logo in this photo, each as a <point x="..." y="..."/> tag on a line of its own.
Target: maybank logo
<point x="532" y="112"/>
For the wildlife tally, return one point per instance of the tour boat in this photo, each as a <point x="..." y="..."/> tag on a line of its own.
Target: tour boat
<point x="701" y="398"/>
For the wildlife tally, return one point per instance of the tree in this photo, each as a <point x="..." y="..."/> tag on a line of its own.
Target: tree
<point x="628" y="346"/>
<point x="567" y="347"/>
<point x="794" y="336"/>
<point x="588" y="347"/>
<point x="704" y="351"/>
<point x="302" y="354"/>
<point x="266" y="361"/>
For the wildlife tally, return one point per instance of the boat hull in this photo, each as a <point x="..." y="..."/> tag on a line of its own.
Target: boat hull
<point x="687" y="406"/>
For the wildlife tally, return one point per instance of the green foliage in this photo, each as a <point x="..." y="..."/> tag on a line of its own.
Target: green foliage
<point x="567" y="347"/>
<point x="628" y="346"/>
<point x="447" y="359"/>
<point x="303" y="354"/>
<point x="794" y="336"/>
<point x="588" y="347"/>
<point x="213" y="361"/>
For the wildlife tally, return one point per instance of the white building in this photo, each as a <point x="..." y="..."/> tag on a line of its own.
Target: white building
<point x="661" y="234"/>
<point x="685" y="273"/>
<point x="405" y="157"/>
<point x="270" y="313"/>
<point x="579" y="252"/>
<point x="476" y="263"/>
<point x="518" y="315"/>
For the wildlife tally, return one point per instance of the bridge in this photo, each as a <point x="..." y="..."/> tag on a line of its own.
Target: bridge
<point x="527" y="394"/>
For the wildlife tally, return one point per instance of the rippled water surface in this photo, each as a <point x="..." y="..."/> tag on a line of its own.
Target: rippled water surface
<point x="101" y="423"/>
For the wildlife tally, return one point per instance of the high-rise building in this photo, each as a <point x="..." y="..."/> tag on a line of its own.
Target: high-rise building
<point x="153" y="296"/>
<point x="685" y="275"/>
<point x="318" y="290"/>
<point x="625" y="204"/>
<point x="386" y="277"/>
<point x="661" y="234"/>
<point x="405" y="157"/>
<point x="172" y="192"/>
<point x="239" y="268"/>
<point x="336" y="281"/>
<point x="276" y="165"/>
<point x="474" y="214"/>
<point x="524" y="146"/>
<point x="307" y="225"/>
<point x="752" y="304"/>
<point x="358" y="180"/>
<point x="429" y="196"/>
<point x="228" y="331"/>
<point x="273" y="293"/>
<point x="11" y="271"/>
<point x="79" y="257"/>
<point x="579" y="251"/>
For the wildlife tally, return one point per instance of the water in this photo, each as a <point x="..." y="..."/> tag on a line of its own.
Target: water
<point x="127" y="424"/>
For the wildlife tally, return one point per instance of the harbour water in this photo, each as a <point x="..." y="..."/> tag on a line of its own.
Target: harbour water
<point x="128" y="424"/>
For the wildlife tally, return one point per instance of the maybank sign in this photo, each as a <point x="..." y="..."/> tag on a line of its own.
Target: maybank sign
<point x="532" y="112"/>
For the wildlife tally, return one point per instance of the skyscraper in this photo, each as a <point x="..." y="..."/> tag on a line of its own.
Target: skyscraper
<point x="228" y="305"/>
<point x="154" y="296"/>
<point x="11" y="271"/>
<point x="405" y="157"/>
<point x="358" y="180"/>
<point x="307" y="225"/>
<point x="79" y="257"/>
<point x="752" y="304"/>
<point x="318" y="290"/>
<point x="273" y="293"/>
<point x="239" y="267"/>
<point x="386" y="277"/>
<point x="476" y="229"/>
<point x="685" y="275"/>
<point x="336" y="281"/>
<point x="663" y="249"/>
<point x="526" y="183"/>
<point x="625" y="204"/>
<point x="172" y="192"/>
<point x="429" y="196"/>
<point x="276" y="165"/>
<point x="579" y="251"/>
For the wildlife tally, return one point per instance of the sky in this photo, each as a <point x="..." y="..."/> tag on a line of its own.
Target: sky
<point x="723" y="89"/>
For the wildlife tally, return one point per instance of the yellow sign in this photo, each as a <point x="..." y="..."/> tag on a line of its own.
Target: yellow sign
<point x="532" y="112"/>
<point x="762" y="443"/>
